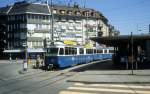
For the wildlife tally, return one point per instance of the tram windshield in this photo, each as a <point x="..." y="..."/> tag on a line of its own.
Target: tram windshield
<point x="52" y="51"/>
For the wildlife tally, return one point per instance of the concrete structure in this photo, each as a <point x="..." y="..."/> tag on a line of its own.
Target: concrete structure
<point x="128" y="48"/>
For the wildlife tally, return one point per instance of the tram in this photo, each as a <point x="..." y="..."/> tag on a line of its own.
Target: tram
<point x="65" y="56"/>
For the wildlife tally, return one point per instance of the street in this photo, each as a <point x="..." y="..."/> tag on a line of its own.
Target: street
<point x="73" y="80"/>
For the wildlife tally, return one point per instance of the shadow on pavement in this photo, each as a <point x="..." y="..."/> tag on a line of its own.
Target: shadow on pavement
<point x="108" y="65"/>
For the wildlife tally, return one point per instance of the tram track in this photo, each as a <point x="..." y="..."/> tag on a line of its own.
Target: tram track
<point x="29" y="83"/>
<point x="23" y="78"/>
<point x="38" y="84"/>
<point x="38" y="74"/>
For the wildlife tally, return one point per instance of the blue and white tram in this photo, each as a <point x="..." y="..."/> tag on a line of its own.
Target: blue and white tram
<point x="64" y="56"/>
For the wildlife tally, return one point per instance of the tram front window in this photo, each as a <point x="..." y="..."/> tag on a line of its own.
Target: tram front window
<point x="53" y="51"/>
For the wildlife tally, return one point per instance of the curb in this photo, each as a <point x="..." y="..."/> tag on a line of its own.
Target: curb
<point x="88" y="82"/>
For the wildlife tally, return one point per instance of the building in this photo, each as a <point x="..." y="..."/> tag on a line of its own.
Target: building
<point x="30" y="24"/>
<point x="3" y="31"/>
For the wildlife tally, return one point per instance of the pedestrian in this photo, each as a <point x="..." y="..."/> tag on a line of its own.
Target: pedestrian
<point x="37" y="61"/>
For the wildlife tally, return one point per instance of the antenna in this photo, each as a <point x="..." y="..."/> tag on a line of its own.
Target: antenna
<point x="84" y="3"/>
<point x="149" y="28"/>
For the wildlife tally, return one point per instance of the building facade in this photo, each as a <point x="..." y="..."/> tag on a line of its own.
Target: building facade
<point x="30" y="24"/>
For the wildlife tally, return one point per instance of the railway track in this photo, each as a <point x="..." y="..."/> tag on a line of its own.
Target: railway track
<point x="47" y="81"/>
<point x="44" y="79"/>
<point x="29" y="83"/>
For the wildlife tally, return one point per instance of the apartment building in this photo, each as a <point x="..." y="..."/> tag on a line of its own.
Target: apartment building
<point x="29" y="24"/>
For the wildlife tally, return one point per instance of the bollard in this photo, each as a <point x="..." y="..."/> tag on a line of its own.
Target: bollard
<point x="25" y="65"/>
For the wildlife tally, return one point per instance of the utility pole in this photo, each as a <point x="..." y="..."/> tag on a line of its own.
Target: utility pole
<point x="132" y="72"/>
<point x="52" y="24"/>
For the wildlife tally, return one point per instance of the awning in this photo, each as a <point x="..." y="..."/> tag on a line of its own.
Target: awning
<point x="13" y="51"/>
<point x="30" y="50"/>
<point x="121" y="40"/>
<point x="38" y="50"/>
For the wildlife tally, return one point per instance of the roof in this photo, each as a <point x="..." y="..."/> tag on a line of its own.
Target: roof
<point x="26" y="7"/>
<point x="121" y="40"/>
<point x="4" y="10"/>
<point x="19" y="8"/>
<point x="58" y="8"/>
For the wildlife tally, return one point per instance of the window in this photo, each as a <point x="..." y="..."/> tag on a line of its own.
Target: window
<point x="61" y="52"/>
<point x="111" y="51"/>
<point x="66" y="50"/>
<point x="86" y="13"/>
<point x="52" y="51"/>
<point x="29" y="16"/>
<point x="99" y="51"/>
<point x="8" y="27"/>
<point x="105" y="51"/>
<point x="54" y="11"/>
<point x="23" y="17"/>
<point x="37" y="17"/>
<point x="78" y="13"/>
<point x="94" y="50"/>
<point x="62" y="11"/>
<point x="70" y="51"/>
<point x="33" y="17"/>
<point x="23" y="36"/>
<point x="69" y="12"/>
<point x="81" y="51"/>
<point x="89" y="51"/>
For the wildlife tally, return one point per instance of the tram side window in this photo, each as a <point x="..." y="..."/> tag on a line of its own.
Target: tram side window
<point x="70" y="51"/>
<point x="94" y="50"/>
<point x="81" y="51"/>
<point x="99" y="51"/>
<point x="66" y="50"/>
<point x="61" y="52"/>
<point x="111" y="51"/>
<point x="105" y="51"/>
<point x="89" y="51"/>
<point x="74" y="51"/>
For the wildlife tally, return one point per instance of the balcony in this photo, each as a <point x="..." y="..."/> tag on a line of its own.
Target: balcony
<point x="32" y="21"/>
<point x="37" y="30"/>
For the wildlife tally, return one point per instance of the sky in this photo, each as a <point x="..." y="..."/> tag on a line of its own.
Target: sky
<point x="125" y="15"/>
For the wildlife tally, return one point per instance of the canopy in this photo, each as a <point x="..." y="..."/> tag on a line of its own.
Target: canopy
<point x="13" y="51"/>
<point x="30" y="50"/>
<point x="37" y="50"/>
<point x="121" y="40"/>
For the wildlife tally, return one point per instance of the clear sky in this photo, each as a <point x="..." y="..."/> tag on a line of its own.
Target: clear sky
<point x="126" y="15"/>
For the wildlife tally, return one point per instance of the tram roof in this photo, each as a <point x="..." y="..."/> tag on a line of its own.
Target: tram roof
<point x="121" y="40"/>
